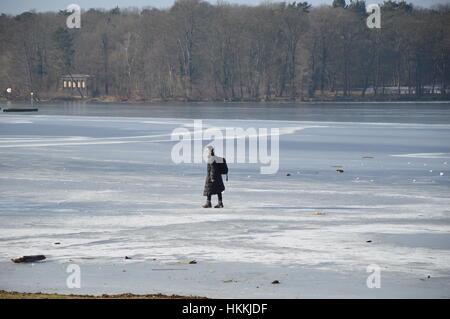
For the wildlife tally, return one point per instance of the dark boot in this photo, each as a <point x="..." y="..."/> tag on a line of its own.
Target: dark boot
<point x="207" y="204"/>
<point x="219" y="204"/>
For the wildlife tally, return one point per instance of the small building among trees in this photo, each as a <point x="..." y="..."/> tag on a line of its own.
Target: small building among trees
<point x="76" y="84"/>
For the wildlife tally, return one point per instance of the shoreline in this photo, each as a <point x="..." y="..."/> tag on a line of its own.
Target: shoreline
<point x="216" y="280"/>
<point x="40" y="295"/>
<point x="115" y="100"/>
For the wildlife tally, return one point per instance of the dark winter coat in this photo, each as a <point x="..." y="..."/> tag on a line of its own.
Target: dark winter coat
<point x="213" y="173"/>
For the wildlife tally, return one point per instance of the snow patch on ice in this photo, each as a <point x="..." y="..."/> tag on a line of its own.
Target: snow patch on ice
<point x="424" y="155"/>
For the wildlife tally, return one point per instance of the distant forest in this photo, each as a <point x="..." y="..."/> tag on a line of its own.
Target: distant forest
<point x="199" y="51"/>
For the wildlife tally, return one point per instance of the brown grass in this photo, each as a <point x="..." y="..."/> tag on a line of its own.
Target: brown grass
<point x="39" y="295"/>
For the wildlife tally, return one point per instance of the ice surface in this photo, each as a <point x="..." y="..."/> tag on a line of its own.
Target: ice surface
<point x="106" y="188"/>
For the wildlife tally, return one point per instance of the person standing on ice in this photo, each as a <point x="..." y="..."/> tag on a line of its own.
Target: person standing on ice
<point x="213" y="183"/>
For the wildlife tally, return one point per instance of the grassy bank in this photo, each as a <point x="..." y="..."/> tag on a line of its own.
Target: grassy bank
<point x="20" y="295"/>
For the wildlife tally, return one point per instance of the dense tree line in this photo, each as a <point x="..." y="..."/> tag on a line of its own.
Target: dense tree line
<point x="195" y="50"/>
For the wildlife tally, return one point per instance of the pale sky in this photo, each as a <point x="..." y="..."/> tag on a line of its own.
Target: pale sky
<point x="19" y="6"/>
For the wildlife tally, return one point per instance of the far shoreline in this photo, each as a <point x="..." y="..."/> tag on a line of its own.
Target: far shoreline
<point x="299" y="101"/>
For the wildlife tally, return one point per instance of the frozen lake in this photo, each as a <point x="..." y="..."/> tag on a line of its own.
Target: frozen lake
<point x="91" y="184"/>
